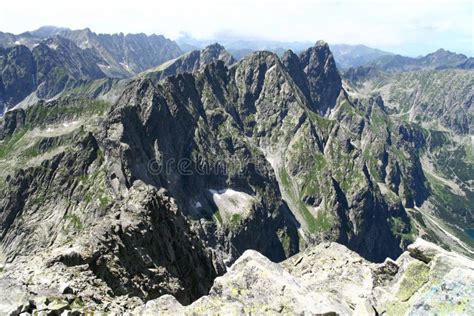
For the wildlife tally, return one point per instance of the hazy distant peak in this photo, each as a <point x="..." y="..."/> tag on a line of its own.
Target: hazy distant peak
<point x="48" y="31"/>
<point x="441" y="52"/>
<point x="216" y="46"/>
<point x="321" y="43"/>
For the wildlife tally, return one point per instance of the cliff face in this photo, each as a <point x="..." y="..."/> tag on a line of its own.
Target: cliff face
<point x="286" y="165"/>
<point x="60" y="219"/>
<point x="51" y="67"/>
<point x="160" y="191"/>
<point x="435" y="110"/>
<point x="17" y="80"/>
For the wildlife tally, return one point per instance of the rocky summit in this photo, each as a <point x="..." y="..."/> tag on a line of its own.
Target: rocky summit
<point x="329" y="279"/>
<point x="137" y="180"/>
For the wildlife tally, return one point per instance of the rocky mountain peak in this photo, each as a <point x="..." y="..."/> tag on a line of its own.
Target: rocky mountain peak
<point x="322" y="43"/>
<point x="191" y="62"/>
<point x="215" y="46"/>
<point x="316" y="74"/>
<point x="48" y="31"/>
<point x="443" y="56"/>
<point x="216" y="52"/>
<point x="323" y="77"/>
<point x="261" y="57"/>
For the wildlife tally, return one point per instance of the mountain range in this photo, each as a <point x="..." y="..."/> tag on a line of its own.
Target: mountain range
<point x="118" y="55"/>
<point x="137" y="178"/>
<point x="51" y="60"/>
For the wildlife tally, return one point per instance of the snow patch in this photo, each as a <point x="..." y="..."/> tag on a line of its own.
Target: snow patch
<point x="103" y="66"/>
<point x="53" y="46"/>
<point x="125" y="65"/>
<point x="230" y="202"/>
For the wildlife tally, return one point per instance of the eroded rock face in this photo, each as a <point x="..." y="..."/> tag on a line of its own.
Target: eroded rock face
<point x="17" y="75"/>
<point x="329" y="278"/>
<point x="48" y="69"/>
<point x="142" y="249"/>
<point x="261" y="115"/>
<point x="60" y="64"/>
<point x="79" y="236"/>
<point x="315" y="73"/>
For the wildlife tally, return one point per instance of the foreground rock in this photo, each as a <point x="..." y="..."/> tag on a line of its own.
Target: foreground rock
<point x="142" y="251"/>
<point x="326" y="279"/>
<point x="330" y="279"/>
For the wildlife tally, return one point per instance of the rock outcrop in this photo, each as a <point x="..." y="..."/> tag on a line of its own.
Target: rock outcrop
<point x="329" y="279"/>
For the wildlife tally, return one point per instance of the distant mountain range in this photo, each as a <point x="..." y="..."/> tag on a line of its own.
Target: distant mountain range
<point x="118" y="55"/>
<point x="441" y="59"/>
<point x="43" y="63"/>
<point x="346" y="56"/>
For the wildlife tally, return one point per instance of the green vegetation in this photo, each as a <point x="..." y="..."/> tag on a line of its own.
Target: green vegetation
<point x="72" y="221"/>
<point x="285" y="180"/>
<point x="378" y="120"/>
<point x="456" y="162"/>
<point x="90" y="87"/>
<point x="407" y="232"/>
<point x="308" y="217"/>
<point x="285" y="241"/>
<point x="217" y="215"/>
<point x="94" y="183"/>
<point x="39" y="200"/>
<point x="321" y="222"/>
<point x="451" y="207"/>
<point x="105" y="200"/>
<point x="312" y="185"/>
<point x="9" y="144"/>
<point x="235" y="219"/>
<point x="324" y="125"/>
<point x="43" y="114"/>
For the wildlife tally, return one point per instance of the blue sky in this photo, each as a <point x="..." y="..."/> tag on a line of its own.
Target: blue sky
<point x="406" y="27"/>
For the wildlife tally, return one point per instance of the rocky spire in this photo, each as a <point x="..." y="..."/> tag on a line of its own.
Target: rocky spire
<point x="316" y="74"/>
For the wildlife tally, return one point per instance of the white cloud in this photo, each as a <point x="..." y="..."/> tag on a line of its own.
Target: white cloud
<point x="376" y="23"/>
